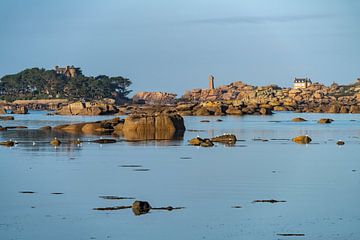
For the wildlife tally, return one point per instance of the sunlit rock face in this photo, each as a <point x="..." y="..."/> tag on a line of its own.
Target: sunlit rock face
<point x="158" y="126"/>
<point x="88" y="109"/>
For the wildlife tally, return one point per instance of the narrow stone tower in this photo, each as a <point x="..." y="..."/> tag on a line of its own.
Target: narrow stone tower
<point x="211" y="82"/>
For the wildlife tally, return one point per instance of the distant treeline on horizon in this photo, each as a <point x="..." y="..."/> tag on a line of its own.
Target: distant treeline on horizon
<point x="39" y="83"/>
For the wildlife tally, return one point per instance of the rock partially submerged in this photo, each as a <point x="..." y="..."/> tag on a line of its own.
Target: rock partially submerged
<point x="115" y="197"/>
<point x="225" y="138"/>
<point x="268" y="201"/>
<point x="340" y="142"/>
<point x="8" y="143"/>
<point x="325" y="120"/>
<point x="202" y="142"/>
<point x="6" y="118"/>
<point x="291" y="234"/>
<point x="105" y="141"/>
<point x="298" y="119"/>
<point x="55" y="142"/>
<point x="92" y="128"/>
<point x="302" y="139"/>
<point x="140" y="207"/>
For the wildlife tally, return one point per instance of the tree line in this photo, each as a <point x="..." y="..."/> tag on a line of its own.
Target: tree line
<point x="39" y="83"/>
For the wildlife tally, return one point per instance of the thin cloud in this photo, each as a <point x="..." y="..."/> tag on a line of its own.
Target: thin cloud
<point x="256" y="20"/>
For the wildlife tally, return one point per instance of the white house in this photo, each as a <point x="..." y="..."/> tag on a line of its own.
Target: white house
<point x="302" y="83"/>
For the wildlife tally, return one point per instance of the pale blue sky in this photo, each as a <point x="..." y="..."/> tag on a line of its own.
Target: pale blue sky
<point x="174" y="45"/>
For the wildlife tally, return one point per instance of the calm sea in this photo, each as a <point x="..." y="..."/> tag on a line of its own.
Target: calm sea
<point x="319" y="182"/>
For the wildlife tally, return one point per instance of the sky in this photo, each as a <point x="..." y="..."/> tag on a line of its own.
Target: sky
<point x="174" y="45"/>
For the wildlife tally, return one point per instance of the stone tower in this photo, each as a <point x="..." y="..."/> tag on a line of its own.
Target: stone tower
<point x="211" y="82"/>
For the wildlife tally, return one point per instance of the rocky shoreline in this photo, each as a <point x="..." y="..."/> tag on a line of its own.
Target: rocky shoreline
<point x="236" y="98"/>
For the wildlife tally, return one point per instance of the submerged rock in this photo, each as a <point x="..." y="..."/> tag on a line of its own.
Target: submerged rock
<point x="77" y="142"/>
<point x="268" y="201"/>
<point x="111" y="208"/>
<point x="104" y="141"/>
<point x="325" y="120"/>
<point x="302" y="139"/>
<point x="16" y="127"/>
<point x="298" y="119"/>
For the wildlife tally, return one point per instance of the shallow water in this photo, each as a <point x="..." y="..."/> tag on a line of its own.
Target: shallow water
<point x="319" y="182"/>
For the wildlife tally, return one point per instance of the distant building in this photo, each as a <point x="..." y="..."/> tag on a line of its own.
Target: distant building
<point x="211" y="82"/>
<point x="67" y="71"/>
<point x="302" y="83"/>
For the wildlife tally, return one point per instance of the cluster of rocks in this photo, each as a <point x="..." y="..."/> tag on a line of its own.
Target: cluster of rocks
<point x="99" y="127"/>
<point x="88" y="108"/>
<point x="315" y="98"/>
<point x="220" y="108"/>
<point x="14" y="110"/>
<point x="139" y="126"/>
<point x="209" y="142"/>
<point x="154" y="98"/>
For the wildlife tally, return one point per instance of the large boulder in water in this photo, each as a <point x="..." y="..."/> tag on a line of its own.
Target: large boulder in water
<point x="158" y="126"/>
